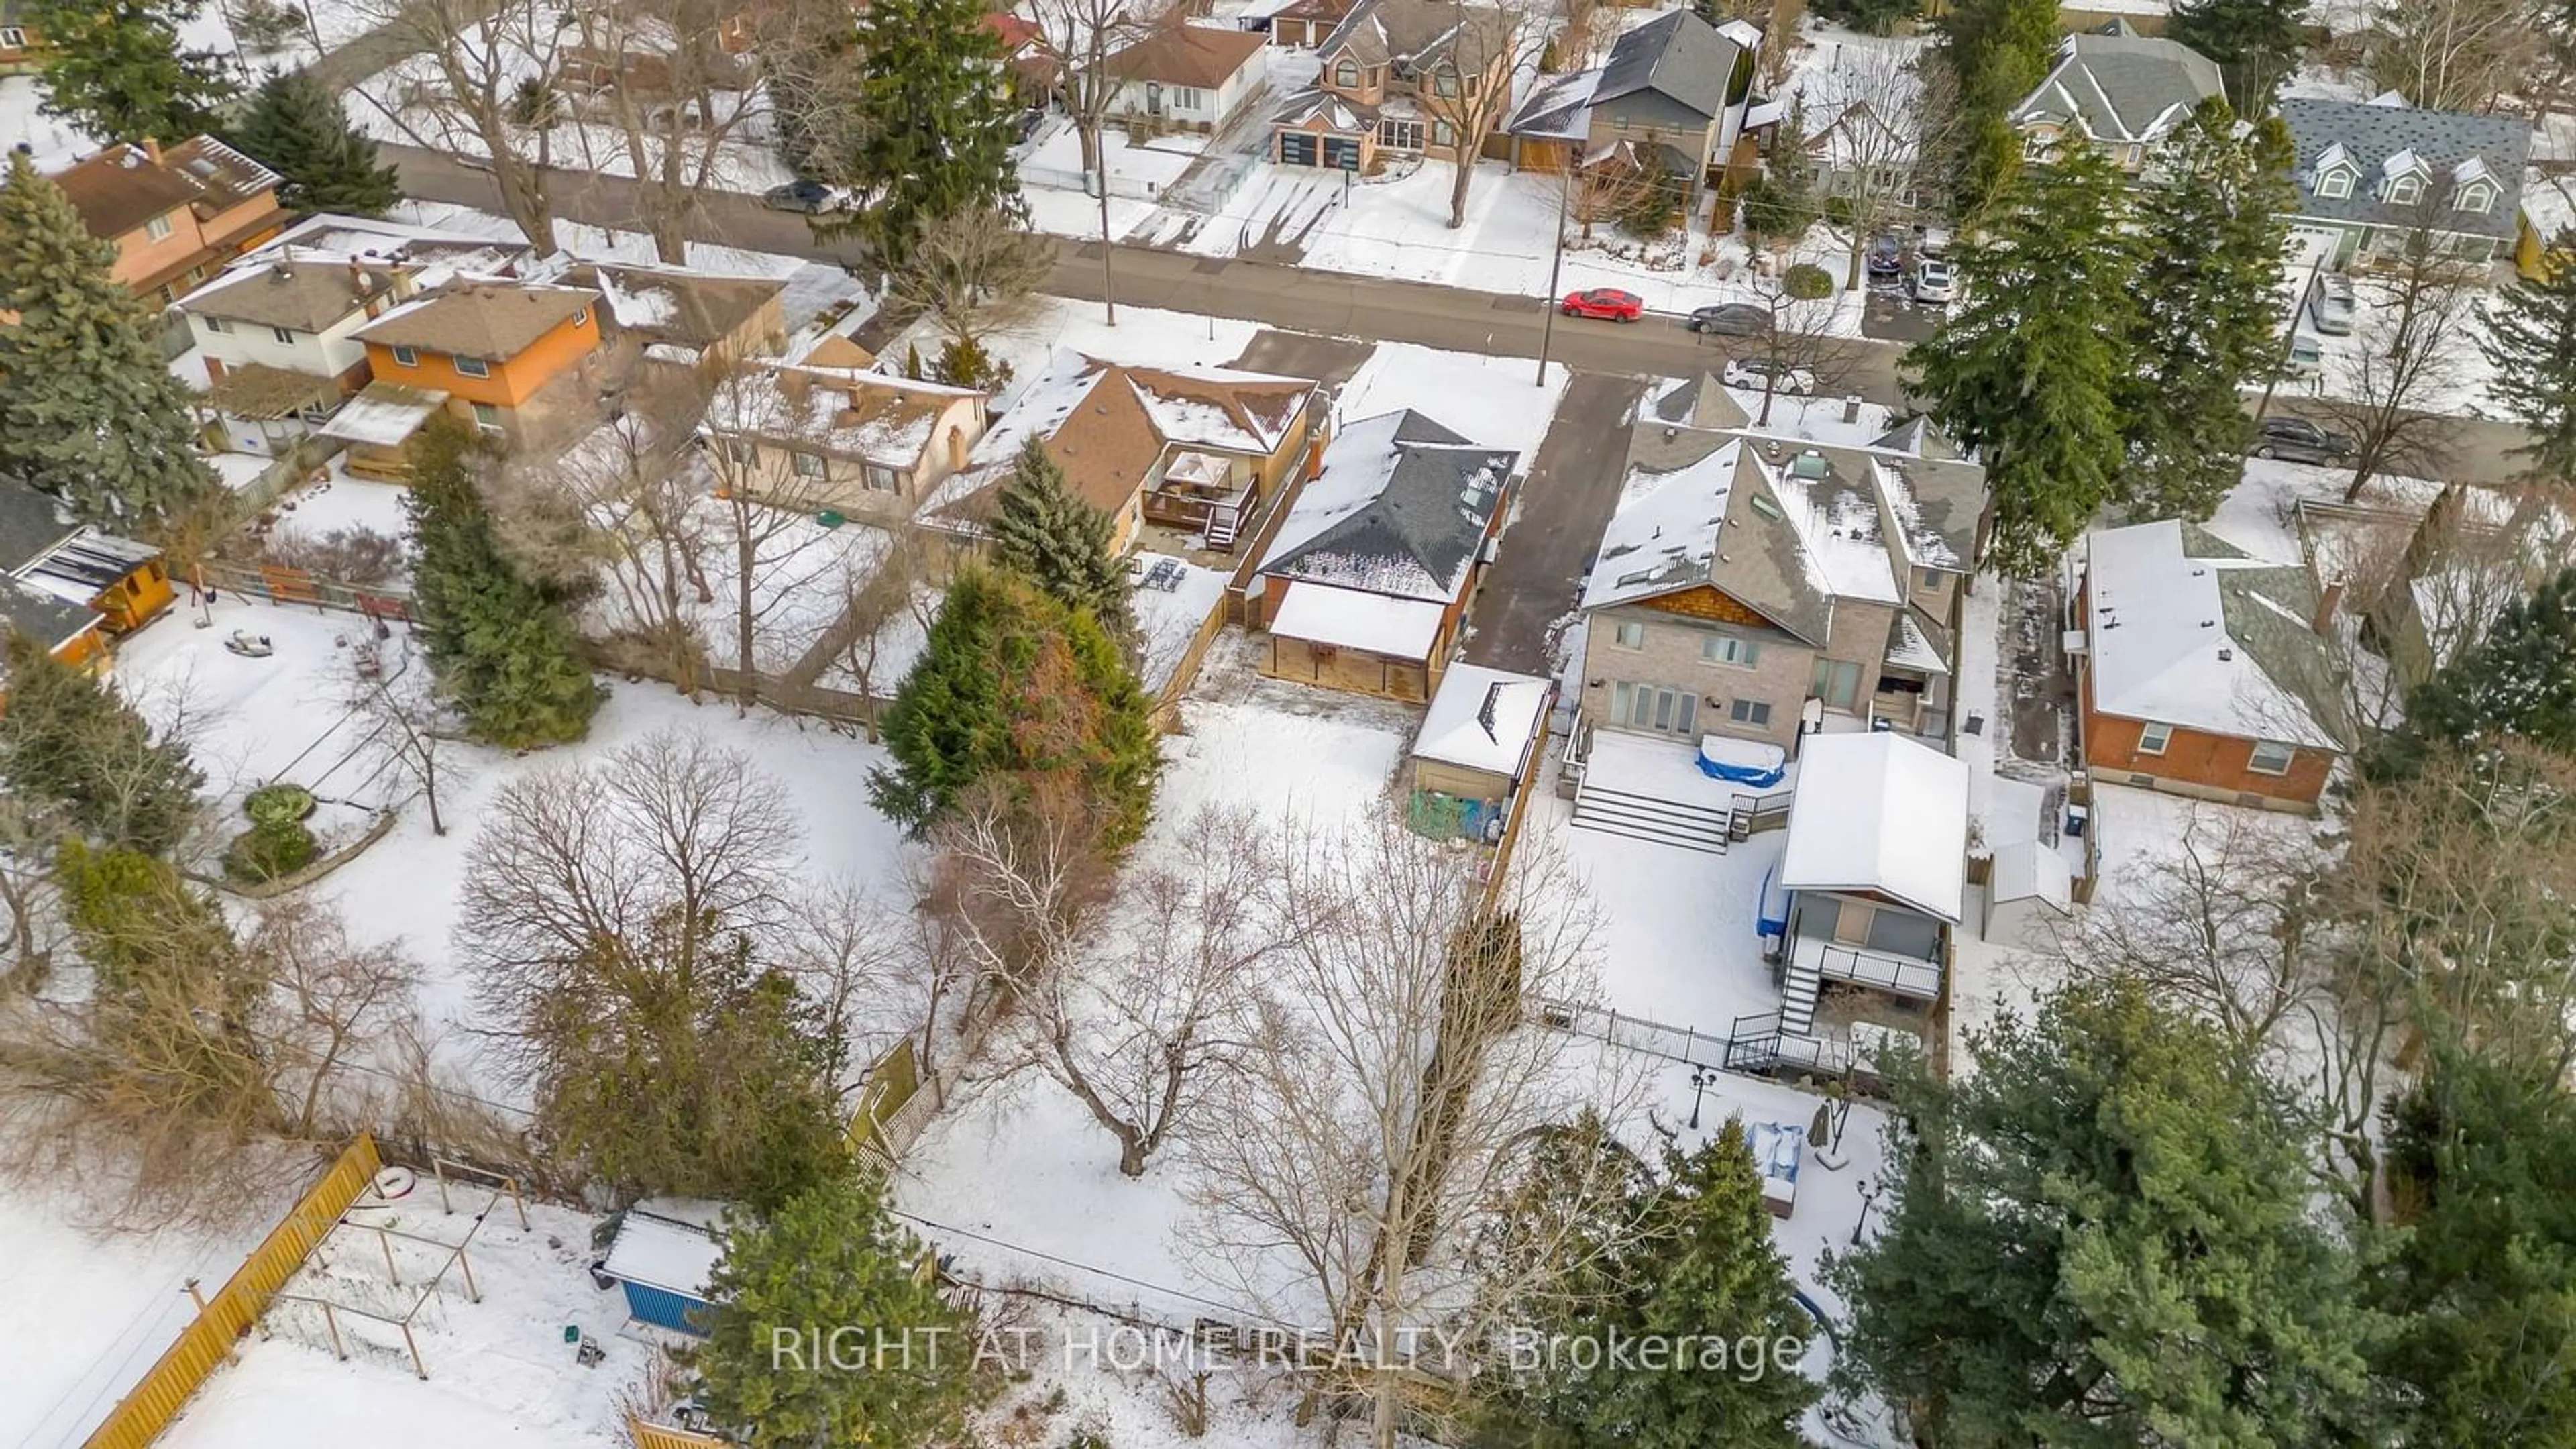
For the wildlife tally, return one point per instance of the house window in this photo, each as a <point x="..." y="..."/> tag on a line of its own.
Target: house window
<point x="1927" y="580"/>
<point x="1444" y="83"/>
<point x="1188" y="98"/>
<point x="740" y="450"/>
<point x="473" y="367"/>
<point x="1837" y="683"/>
<point x="405" y="357"/>
<point x="2270" y="758"/>
<point x="808" y="465"/>
<point x="2335" y="185"/>
<point x="1399" y="135"/>
<point x="1443" y="134"/>
<point x="1728" y="649"/>
<point x="1629" y="635"/>
<point x="487" y="417"/>
<point x="1347" y="74"/>
<point x="2154" y="738"/>
<point x="216" y="324"/>
<point x="1752" y="712"/>
<point x="2476" y="197"/>
<point x="580" y="315"/>
<point x="158" y="228"/>
<point x="883" y="479"/>
<point x="285" y="336"/>
<point x="2405" y="190"/>
<point x="12" y="38"/>
<point x="1648" y="707"/>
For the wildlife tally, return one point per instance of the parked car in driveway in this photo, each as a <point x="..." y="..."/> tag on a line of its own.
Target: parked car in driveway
<point x="1731" y="319"/>
<point x="809" y="197"/>
<point x="1887" y="257"/>
<point x="1933" y="281"/>
<point x="2307" y="357"/>
<point x="2331" y="306"/>
<point x="2296" y="440"/>
<point x="1605" y="302"/>
<point x="1760" y="373"/>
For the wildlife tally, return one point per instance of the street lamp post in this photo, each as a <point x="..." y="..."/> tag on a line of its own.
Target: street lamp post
<point x="1547" y="327"/>
<point x="1868" y="1195"/>
<point x="1702" y="1078"/>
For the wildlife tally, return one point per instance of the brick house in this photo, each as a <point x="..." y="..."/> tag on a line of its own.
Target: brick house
<point x="515" y="359"/>
<point x="1200" y="450"/>
<point x="1378" y="66"/>
<point x="1747" y="580"/>
<point x="1365" y="581"/>
<point x="176" y="216"/>
<point x="2204" y="671"/>
<point x="21" y="47"/>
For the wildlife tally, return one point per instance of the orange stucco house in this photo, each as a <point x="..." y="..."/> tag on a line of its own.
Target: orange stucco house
<point x="515" y="359"/>
<point x="2206" y="672"/>
<point x="176" y="216"/>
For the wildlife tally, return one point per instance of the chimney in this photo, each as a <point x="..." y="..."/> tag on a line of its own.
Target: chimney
<point x="2329" y="599"/>
<point x="1851" y="408"/>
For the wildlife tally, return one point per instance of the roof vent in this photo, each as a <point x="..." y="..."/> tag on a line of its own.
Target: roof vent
<point x="1810" y="465"/>
<point x="2226" y="656"/>
<point x="2209" y="623"/>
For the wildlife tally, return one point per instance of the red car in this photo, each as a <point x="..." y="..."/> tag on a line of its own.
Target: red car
<point x="1608" y="302"/>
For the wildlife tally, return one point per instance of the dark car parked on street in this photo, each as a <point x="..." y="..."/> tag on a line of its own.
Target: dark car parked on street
<point x="809" y="197"/>
<point x="1731" y="319"/>
<point x="2296" y="440"/>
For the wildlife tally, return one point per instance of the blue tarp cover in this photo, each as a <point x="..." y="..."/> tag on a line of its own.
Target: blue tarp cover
<point x="1743" y="762"/>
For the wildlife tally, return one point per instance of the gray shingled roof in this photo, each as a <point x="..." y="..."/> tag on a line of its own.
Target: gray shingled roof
<point x="2369" y="134"/>
<point x="1424" y="496"/>
<point x="1679" y="56"/>
<point x="30" y="523"/>
<point x="2121" y="88"/>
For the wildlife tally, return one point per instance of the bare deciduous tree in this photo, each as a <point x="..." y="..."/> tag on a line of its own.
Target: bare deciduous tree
<point x="1867" y="102"/>
<point x="2415" y="342"/>
<point x="408" y="727"/>
<point x="482" y="80"/>
<point x="1466" y="92"/>
<point x="2456" y="55"/>
<point x="641" y="491"/>
<point x="887" y="608"/>
<point x="1388" y="1096"/>
<point x="972" y="272"/>
<point x="28" y="898"/>
<point x="1078" y="37"/>
<point x="766" y="513"/>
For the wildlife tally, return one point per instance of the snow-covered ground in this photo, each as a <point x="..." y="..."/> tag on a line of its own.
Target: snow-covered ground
<point x="282" y="718"/>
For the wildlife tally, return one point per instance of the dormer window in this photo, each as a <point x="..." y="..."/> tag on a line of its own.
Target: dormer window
<point x="1346" y="74"/>
<point x="1444" y="82"/>
<point x="2334" y="185"/>
<point x="2476" y="196"/>
<point x="2405" y="190"/>
<point x="158" y="228"/>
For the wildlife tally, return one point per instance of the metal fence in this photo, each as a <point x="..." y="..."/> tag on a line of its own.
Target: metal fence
<point x="1655" y="1038"/>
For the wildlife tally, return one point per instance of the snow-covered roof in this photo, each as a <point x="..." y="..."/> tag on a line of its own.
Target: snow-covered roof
<point x="2187" y="630"/>
<point x="1350" y="619"/>
<point x="839" y="411"/>
<point x="661" y="1244"/>
<point x="1483" y="719"/>
<point x="1172" y="600"/>
<point x="1876" y="812"/>
<point x="2120" y="88"/>
<point x="1557" y="108"/>
<point x="2029" y="870"/>
<point x="383" y="415"/>
<point x="1910" y="645"/>
<point x="1662" y="535"/>
<point x="1401" y="508"/>
<point x="1836" y="518"/>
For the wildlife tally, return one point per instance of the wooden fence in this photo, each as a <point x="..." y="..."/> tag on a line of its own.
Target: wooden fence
<point x="662" y="1436"/>
<point x="208" y="1339"/>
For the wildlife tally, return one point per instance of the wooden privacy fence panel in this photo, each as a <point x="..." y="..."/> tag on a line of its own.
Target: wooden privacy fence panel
<point x="659" y="1436"/>
<point x="157" y="1397"/>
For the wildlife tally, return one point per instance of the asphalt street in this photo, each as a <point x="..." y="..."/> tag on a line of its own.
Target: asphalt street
<point x="1370" y="308"/>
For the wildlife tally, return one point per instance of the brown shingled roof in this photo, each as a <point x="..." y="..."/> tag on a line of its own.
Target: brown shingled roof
<point x="121" y="188"/>
<point x="491" y="320"/>
<point x="1188" y="55"/>
<point x="300" y="294"/>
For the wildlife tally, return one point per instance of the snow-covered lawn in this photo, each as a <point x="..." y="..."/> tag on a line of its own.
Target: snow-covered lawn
<point x="281" y="717"/>
<point x="341" y="502"/>
<point x="83" y="1314"/>
<point x="1134" y="170"/>
<point x="1677" y="925"/>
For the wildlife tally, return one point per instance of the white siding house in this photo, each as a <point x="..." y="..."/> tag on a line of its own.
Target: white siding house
<point x="1189" y="77"/>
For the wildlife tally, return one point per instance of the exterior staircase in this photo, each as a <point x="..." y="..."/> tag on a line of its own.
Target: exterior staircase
<point x="1644" y="817"/>
<point x="1799" y="988"/>
<point x="1222" y="525"/>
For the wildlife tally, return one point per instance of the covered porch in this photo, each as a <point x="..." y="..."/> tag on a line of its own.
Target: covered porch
<point x="378" y="423"/>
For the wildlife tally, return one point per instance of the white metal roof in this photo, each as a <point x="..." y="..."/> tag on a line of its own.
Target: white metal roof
<point x="1482" y="719"/>
<point x="1349" y="619"/>
<point x="1875" y="811"/>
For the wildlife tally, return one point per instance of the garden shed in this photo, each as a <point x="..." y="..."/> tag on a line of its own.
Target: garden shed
<point x="1478" y="746"/>
<point x="664" y="1256"/>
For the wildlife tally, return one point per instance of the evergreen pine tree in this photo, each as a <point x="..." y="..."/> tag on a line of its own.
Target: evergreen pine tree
<point x="2482" y="1162"/>
<point x="934" y="63"/>
<point x="70" y="739"/>
<point x="901" y="1372"/>
<point x="2518" y="681"/>
<point x="1713" y="1273"/>
<point x="1058" y="542"/>
<point x="295" y="126"/>
<point x="115" y="68"/>
<point x="2106" y="1235"/>
<point x="1996" y="52"/>
<point x="2531" y="339"/>
<point x="2209" y="265"/>
<point x="1783" y="203"/>
<point x="89" y="412"/>
<point x="1012" y="683"/>
<point x="502" y="648"/>
<point x="2255" y="42"/>
<point x="2031" y="367"/>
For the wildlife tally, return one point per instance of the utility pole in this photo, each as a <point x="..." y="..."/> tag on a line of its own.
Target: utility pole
<point x="1100" y="175"/>
<point x="1555" y="264"/>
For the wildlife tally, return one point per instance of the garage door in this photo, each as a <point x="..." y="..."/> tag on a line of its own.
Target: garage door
<point x="1296" y="150"/>
<point x="1342" y="152"/>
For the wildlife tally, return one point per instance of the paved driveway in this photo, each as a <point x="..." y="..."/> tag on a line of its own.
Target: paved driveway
<point x="1538" y="576"/>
